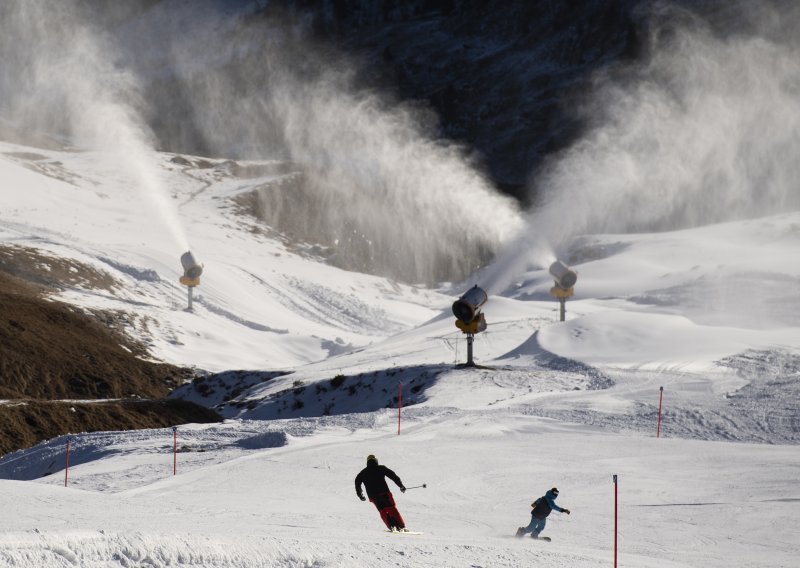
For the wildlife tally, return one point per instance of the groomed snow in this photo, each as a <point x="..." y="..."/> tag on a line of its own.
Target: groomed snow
<point x="707" y="313"/>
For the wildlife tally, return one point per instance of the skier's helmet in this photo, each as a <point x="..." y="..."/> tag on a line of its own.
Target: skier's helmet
<point x="372" y="458"/>
<point x="554" y="491"/>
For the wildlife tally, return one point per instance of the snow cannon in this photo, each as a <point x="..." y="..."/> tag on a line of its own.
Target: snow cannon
<point x="467" y="307"/>
<point x="565" y="278"/>
<point x="191" y="268"/>
<point x="469" y="318"/>
<point x="191" y="274"/>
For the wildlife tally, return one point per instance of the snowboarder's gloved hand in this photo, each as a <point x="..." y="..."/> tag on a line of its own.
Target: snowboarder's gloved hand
<point x="402" y="490"/>
<point x="360" y="496"/>
<point x="566" y="511"/>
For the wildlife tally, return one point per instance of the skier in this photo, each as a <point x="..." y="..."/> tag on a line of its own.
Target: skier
<point x="373" y="477"/>
<point x="541" y="509"/>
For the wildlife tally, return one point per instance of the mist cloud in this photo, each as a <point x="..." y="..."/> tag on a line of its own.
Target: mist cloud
<point x="63" y="81"/>
<point x="704" y="129"/>
<point x="375" y="184"/>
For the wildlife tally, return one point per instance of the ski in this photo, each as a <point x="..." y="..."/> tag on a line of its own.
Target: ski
<point x="403" y="532"/>
<point x="544" y="538"/>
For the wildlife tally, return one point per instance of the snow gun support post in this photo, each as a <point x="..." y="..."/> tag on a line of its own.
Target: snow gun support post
<point x="191" y="273"/>
<point x="469" y="318"/>
<point x="564" y="280"/>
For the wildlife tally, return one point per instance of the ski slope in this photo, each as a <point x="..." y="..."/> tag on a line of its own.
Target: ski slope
<point x="682" y="502"/>
<point x="707" y="313"/>
<point x="307" y="362"/>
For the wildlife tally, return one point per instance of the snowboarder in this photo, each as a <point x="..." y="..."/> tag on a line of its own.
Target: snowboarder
<point x="541" y="509"/>
<point x="373" y="477"/>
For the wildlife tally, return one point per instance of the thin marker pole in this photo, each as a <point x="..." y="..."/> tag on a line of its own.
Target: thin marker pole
<point x="66" y="464"/>
<point x="660" y="400"/>
<point x="174" y="450"/>
<point x="615" y="520"/>
<point x="399" y="404"/>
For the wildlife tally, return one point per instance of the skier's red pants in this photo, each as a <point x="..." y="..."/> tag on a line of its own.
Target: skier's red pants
<point x="389" y="513"/>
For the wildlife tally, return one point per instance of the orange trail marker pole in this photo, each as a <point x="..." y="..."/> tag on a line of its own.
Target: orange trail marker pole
<point x="615" y="520"/>
<point x="660" y="400"/>
<point x="66" y="464"/>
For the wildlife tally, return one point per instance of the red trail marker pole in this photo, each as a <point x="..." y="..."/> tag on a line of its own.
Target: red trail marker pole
<point x="399" y="404"/>
<point x="174" y="450"/>
<point x="660" y="400"/>
<point x="66" y="464"/>
<point x="615" y="520"/>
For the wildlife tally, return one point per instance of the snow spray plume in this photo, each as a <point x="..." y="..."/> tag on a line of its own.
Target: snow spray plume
<point x="705" y="130"/>
<point x="62" y="79"/>
<point x="373" y="181"/>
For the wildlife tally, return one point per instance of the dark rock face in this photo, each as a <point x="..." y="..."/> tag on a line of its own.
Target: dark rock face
<point x="503" y="77"/>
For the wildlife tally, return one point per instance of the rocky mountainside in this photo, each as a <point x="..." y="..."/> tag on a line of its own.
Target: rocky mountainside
<point x="505" y="78"/>
<point x="509" y="79"/>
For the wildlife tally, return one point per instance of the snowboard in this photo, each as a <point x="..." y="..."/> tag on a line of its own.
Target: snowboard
<point x="520" y="534"/>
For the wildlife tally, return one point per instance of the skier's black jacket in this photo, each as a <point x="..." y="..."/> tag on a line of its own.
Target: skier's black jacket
<point x="541" y="509"/>
<point x="373" y="476"/>
<point x="543" y="506"/>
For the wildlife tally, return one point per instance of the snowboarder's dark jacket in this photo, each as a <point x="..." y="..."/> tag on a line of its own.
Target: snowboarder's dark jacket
<point x="372" y="477"/>
<point x="543" y="506"/>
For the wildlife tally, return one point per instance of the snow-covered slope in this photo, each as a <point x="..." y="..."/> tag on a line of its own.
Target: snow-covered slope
<point x="323" y="353"/>
<point x="315" y="367"/>
<point x="681" y="503"/>
<point x="259" y="305"/>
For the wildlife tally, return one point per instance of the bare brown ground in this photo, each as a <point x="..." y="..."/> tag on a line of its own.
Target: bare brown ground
<point x="24" y="424"/>
<point x="50" y="351"/>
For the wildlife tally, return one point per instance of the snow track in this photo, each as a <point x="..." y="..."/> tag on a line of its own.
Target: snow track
<point x="140" y="550"/>
<point x="103" y="549"/>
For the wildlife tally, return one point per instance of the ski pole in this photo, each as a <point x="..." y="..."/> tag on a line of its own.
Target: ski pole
<point x="424" y="485"/>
